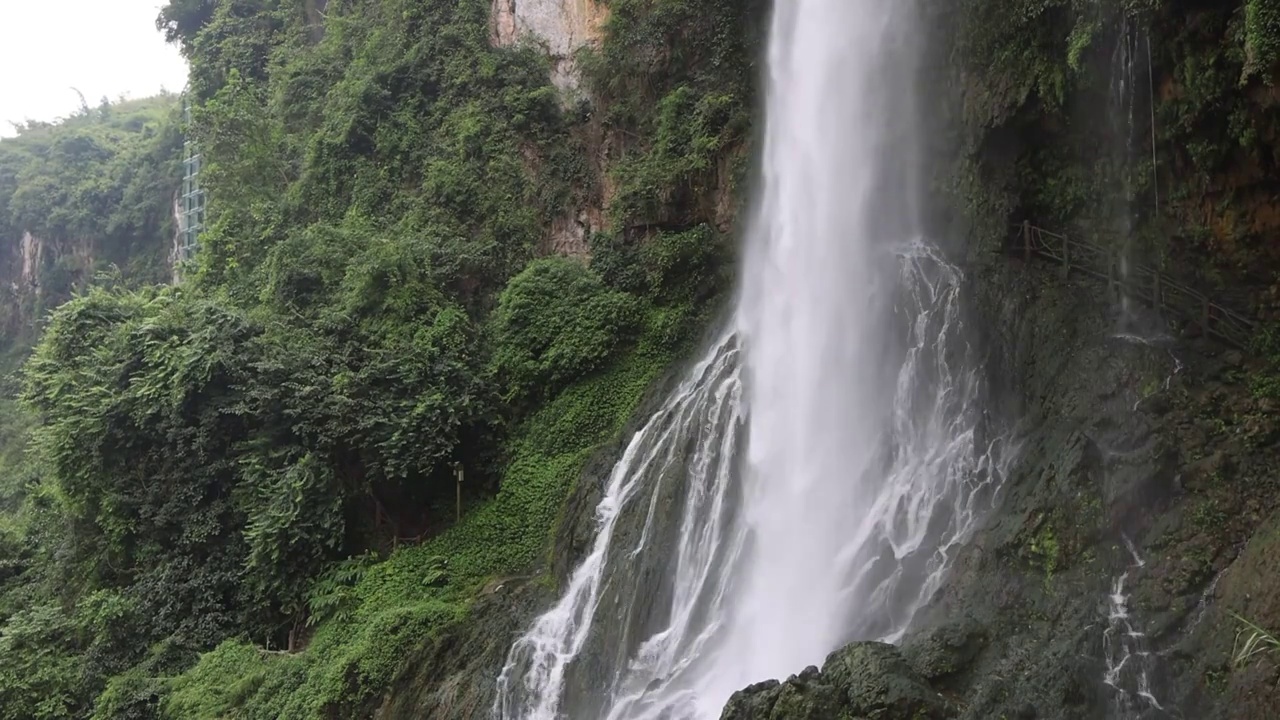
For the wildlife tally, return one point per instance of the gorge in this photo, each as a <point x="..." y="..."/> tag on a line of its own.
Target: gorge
<point x="651" y="360"/>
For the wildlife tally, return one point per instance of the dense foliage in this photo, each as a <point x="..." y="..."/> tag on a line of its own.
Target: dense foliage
<point x="255" y="469"/>
<point x="554" y="322"/>
<point x="91" y="192"/>
<point x="89" y="196"/>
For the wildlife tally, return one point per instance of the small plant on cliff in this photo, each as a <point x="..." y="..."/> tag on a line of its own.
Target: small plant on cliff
<point x="1253" y="642"/>
<point x="1079" y="41"/>
<point x="1045" y="550"/>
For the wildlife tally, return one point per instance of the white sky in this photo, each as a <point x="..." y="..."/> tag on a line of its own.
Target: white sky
<point x="101" y="47"/>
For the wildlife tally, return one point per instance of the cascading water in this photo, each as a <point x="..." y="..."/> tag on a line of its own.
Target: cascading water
<point x="703" y="413"/>
<point x="1121" y="109"/>
<point x="807" y="483"/>
<point x="1131" y="664"/>
<point x="1125" y="156"/>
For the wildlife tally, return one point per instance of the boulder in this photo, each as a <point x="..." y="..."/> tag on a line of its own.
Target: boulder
<point x="862" y="680"/>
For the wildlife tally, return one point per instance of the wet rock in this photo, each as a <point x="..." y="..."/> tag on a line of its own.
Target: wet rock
<point x="1157" y="404"/>
<point x="863" y="680"/>
<point x="1017" y="629"/>
<point x="945" y="651"/>
<point x="1251" y="589"/>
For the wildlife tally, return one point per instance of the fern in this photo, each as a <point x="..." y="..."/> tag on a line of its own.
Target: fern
<point x="332" y="595"/>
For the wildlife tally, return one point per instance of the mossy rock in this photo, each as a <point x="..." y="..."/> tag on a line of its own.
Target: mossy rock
<point x="862" y="680"/>
<point x="945" y="651"/>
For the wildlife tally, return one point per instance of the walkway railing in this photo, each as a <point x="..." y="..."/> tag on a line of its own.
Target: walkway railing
<point x="1141" y="281"/>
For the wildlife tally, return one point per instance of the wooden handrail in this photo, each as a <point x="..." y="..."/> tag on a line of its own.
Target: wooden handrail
<point x="1141" y="281"/>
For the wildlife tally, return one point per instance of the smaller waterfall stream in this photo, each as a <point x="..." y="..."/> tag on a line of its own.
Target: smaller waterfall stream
<point x="1130" y="661"/>
<point x="1121" y="110"/>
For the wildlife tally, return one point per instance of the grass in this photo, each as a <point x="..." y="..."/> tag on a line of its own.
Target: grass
<point x="1253" y="642"/>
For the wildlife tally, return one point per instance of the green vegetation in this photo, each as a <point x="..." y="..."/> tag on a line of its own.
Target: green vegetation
<point x="556" y="320"/>
<point x="1044" y="548"/>
<point x="233" y="497"/>
<point x="392" y="607"/>
<point x="1262" y="37"/>
<point x="89" y="197"/>
<point x="95" y="191"/>
<point x="1042" y="137"/>
<point x="1252" y="643"/>
<point x="679" y="77"/>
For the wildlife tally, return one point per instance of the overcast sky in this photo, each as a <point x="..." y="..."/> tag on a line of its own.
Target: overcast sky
<point x="101" y="47"/>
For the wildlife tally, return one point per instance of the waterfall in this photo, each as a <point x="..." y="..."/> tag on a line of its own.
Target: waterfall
<point x="809" y="481"/>
<point x="1120" y="114"/>
<point x="1130" y="99"/>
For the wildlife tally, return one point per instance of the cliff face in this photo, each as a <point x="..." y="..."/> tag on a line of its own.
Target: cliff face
<point x="1148" y="128"/>
<point x="36" y="273"/>
<point x="1120" y="532"/>
<point x="1140" y="516"/>
<point x="561" y="27"/>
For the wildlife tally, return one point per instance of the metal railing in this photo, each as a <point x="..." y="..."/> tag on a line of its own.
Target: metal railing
<point x="193" y="205"/>
<point x="1140" y="281"/>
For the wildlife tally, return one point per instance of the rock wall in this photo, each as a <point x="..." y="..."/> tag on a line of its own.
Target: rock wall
<point x="1145" y="474"/>
<point x="561" y="26"/>
<point x="869" y="680"/>
<point x="175" y="248"/>
<point x="1143" y="514"/>
<point x="32" y="253"/>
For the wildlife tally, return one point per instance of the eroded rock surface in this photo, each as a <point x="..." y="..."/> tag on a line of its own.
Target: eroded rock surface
<point x="1142" y="514"/>
<point x="561" y="26"/>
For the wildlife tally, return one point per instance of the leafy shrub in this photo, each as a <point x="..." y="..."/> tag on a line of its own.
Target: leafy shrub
<point x="686" y="267"/>
<point x="555" y="321"/>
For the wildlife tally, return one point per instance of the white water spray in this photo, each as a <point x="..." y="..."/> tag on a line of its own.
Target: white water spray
<point x="705" y="410"/>
<point x="727" y="557"/>
<point x="1130" y="662"/>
